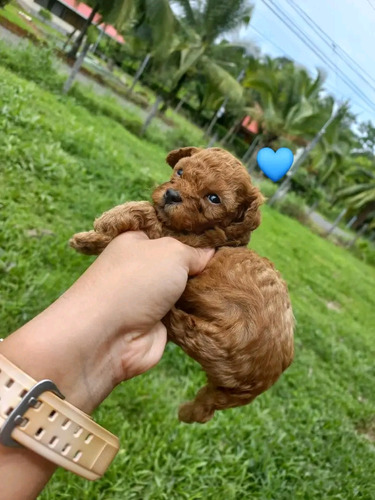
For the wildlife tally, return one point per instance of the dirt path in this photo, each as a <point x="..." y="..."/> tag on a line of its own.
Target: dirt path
<point x="324" y="224"/>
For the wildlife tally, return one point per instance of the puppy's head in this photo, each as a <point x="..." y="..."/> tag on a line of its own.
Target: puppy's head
<point x="209" y="190"/>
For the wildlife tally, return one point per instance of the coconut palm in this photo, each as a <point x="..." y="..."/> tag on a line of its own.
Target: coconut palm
<point x="360" y="195"/>
<point x="155" y="15"/>
<point x="285" y="101"/>
<point x="202" y="52"/>
<point x="151" y="32"/>
<point x="199" y="52"/>
<point x="111" y="11"/>
<point x="332" y="158"/>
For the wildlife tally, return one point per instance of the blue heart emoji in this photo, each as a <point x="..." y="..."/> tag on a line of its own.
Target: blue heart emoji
<point x="275" y="164"/>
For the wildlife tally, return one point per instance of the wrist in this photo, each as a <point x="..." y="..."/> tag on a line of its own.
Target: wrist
<point x="67" y="346"/>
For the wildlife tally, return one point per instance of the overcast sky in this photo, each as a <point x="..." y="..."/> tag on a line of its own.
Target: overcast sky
<point x="350" y="23"/>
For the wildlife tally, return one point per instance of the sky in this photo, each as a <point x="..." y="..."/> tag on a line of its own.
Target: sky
<point x="349" y="23"/>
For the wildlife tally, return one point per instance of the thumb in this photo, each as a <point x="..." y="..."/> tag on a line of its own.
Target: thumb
<point x="198" y="258"/>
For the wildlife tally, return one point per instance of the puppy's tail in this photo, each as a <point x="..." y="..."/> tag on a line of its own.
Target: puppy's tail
<point x="90" y="242"/>
<point x="208" y="400"/>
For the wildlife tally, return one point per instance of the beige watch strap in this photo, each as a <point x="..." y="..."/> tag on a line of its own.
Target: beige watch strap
<point x="54" y="428"/>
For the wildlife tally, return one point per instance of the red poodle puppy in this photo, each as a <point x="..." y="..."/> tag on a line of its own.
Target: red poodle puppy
<point x="235" y="318"/>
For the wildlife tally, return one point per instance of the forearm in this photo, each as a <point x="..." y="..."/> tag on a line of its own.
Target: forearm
<point x="23" y="474"/>
<point x="43" y="349"/>
<point x="106" y="328"/>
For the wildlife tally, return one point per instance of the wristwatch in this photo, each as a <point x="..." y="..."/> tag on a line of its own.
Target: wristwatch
<point x="35" y="415"/>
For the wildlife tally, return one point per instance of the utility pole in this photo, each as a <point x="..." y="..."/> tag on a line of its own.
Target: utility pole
<point x="300" y="158"/>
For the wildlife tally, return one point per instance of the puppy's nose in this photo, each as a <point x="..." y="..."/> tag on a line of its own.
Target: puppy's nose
<point x="172" y="196"/>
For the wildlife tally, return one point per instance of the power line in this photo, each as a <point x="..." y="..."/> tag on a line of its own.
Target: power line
<point x="270" y="41"/>
<point x="370" y="4"/>
<point x="331" y="43"/>
<point x="321" y="55"/>
<point x="329" y="86"/>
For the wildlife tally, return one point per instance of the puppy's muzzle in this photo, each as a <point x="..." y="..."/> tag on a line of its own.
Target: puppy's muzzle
<point x="172" y="197"/>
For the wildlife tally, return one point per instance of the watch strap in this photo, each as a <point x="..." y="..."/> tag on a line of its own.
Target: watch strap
<point x="51" y="426"/>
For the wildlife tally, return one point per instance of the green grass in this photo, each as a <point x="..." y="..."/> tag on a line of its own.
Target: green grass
<point x="10" y="12"/>
<point x="66" y="159"/>
<point x="48" y="31"/>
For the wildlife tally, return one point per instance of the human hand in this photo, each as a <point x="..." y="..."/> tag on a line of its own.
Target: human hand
<point x="106" y="328"/>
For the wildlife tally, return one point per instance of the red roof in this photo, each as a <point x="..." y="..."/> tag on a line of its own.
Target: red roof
<point x="84" y="11"/>
<point x="250" y="124"/>
<point x="112" y="32"/>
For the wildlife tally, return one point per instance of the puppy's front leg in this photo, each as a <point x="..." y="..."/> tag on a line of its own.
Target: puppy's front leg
<point x="89" y="242"/>
<point x="131" y="216"/>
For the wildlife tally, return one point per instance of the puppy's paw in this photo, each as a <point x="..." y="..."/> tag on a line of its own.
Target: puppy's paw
<point x="89" y="242"/>
<point x="195" y="412"/>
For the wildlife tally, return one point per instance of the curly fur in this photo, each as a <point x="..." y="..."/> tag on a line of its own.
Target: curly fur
<point x="235" y="318"/>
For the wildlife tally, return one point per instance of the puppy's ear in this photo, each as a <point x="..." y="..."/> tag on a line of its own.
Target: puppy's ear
<point x="249" y="214"/>
<point x="177" y="154"/>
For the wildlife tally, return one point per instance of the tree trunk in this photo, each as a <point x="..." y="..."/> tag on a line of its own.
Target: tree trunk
<point x="69" y="38"/>
<point x="357" y="236"/>
<point x="173" y="92"/>
<point x="151" y="115"/>
<point x="231" y="131"/>
<point x="362" y="216"/>
<point x="77" y="66"/>
<point x="98" y="39"/>
<point x="139" y="73"/>
<point x="73" y="52"/>
<point x="336" y="221"/>
<point x="218" y="113"/>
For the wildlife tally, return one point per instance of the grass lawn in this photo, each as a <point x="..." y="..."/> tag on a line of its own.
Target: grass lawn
<point x="10" y="12"/>
<point x="64" y="160"/>
<point x="35" y="27"/>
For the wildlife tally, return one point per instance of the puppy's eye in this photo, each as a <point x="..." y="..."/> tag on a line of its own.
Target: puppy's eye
<point x="213" y="198"/>
<point x="179" y="172"/>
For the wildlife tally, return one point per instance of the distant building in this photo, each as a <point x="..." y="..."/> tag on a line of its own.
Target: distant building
<point x="76" y="13"/>
<point x="250" y="125"/>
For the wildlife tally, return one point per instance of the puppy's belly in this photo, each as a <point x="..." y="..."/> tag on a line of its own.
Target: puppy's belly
<point x="238" y="321"/>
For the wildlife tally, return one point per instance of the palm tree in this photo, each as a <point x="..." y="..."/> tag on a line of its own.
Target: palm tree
<point x="199" y="53"/>
<point x="152" y="32"/>
<point x="285" y="101"/>
<point x="153" y="14"/>
<point x="332" y="158"/>
<point x="360" y="196"/>
<point x="109" y="10"/>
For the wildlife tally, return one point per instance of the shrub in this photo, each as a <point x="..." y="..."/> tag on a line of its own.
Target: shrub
<point x="182" y="135"/>
<point x="46" y="14"/>
<point x="267" y="188"/>
<point x="108" y="107"/>
<point x="33" y="63"/>
<point x="293" y="206"/>
<point x="364" y="250"/>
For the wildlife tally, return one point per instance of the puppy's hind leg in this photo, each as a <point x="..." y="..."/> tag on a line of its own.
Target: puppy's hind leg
<point x="89" y="242"/>
<point x="196" y="337"/>
<point x="208" y="400"/>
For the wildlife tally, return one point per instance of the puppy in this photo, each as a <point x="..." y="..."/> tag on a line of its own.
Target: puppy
<point x="235" y="318"/>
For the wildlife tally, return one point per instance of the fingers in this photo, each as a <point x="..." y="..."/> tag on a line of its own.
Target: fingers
<point x="198" y="258"/>
<point x="195" y="259"/>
